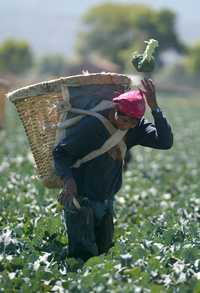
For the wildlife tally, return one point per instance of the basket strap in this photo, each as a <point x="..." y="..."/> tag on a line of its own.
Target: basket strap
<point x="114" y="140"/>
<point x="60" y="133"/>
<point x="116" y="137"/>
<point x="103" y="105"/>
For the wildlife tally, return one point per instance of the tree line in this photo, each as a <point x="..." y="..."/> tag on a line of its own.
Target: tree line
<point x="113" y="31"/>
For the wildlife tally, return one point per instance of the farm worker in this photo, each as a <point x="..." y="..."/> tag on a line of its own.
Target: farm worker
<point x="89" y="218"/>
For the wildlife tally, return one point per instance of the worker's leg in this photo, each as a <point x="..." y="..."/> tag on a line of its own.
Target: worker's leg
<point x="104" y="231"/>
<point x="80" y="230"/>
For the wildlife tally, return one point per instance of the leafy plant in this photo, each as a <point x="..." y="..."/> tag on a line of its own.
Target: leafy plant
<point x="157" y="221"/>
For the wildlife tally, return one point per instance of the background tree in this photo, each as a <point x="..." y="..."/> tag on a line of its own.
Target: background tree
<point x="192" y="61"/>
<point x="116" y="30"/>
<point x="15" y="56"/>
<point x="186" y="71"/>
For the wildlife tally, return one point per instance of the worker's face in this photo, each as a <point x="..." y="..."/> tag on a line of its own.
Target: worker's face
<point x="124" y="122"/>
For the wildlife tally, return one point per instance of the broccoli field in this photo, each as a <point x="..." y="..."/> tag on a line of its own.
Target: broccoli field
<point x="157" y="222"/>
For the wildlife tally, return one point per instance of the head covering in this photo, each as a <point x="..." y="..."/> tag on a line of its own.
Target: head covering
<point x="131" y="103"/>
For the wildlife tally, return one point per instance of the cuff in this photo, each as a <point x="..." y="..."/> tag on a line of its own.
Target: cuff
<point x="157" y="112"/>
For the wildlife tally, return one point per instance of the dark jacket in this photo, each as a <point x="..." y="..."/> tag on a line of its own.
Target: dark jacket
<point x="101" y="178"/>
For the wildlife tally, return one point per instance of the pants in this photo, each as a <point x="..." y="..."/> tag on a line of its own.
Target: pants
<point x="90" y="229"/>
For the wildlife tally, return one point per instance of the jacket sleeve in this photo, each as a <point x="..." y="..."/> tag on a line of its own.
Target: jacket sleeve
<point x="83" y="138"/>
<point x="158" y="135"/>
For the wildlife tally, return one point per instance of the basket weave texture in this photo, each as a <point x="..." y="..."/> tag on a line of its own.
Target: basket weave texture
<point x="38" y="109"/>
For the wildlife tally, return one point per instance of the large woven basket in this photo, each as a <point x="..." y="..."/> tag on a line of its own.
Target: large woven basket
<point x="38" y="108"/>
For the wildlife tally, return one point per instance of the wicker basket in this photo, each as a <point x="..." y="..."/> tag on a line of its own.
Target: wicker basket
<point x="39" y="109"/>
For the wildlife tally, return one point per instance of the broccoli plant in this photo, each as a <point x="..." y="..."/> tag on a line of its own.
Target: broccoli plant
<point x="145" y="62"/>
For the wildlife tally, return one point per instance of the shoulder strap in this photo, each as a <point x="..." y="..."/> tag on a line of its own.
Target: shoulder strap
<point x="116" y="138"/>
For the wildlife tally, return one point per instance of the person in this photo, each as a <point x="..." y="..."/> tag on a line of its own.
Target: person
<point x="89" y="190"/>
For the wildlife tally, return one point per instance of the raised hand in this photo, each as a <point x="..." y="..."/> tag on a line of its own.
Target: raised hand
<point x="149" y="92"/>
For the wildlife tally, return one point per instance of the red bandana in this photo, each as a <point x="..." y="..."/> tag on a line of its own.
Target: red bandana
<point x="131" y="103"/>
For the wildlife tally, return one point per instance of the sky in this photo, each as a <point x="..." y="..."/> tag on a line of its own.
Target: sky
<point x="51" y="26"/>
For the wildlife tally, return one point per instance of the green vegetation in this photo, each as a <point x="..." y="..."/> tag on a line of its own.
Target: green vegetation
<point x="187" y="70"/>
<point x="145" y="62"/>
<point x="157" y="239"/>
<point x="15" y="56"/>
<point x="193" y="61"/>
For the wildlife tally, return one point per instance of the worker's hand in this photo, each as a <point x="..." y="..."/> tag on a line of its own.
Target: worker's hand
<point x="68" y="193"/>
<point x="149" y="92"/>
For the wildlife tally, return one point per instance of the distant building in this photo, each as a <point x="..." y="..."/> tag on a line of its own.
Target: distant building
<point x="92" y="64"/>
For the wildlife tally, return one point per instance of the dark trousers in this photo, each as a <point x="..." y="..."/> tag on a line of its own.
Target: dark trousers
<point x="90" y="229"/>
